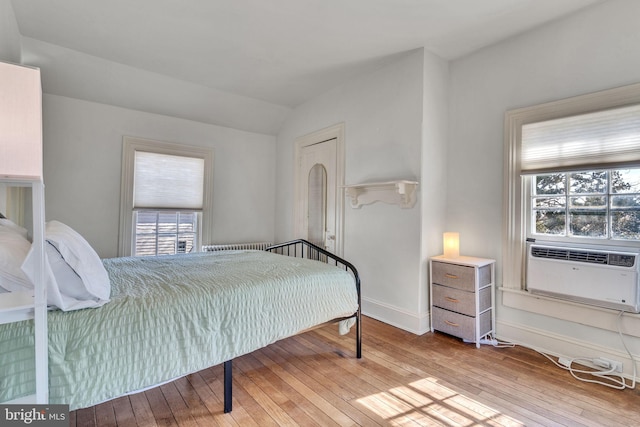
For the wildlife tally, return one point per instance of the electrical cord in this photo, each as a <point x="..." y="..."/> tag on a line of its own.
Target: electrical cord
<point x="606" y="377"/>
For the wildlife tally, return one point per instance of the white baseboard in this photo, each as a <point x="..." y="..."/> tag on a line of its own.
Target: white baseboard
<point x="559" y="345"/>
<point x="416" y="323"/>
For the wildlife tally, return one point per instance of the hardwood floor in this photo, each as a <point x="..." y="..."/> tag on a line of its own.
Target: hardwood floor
<point x="314" y="379"/>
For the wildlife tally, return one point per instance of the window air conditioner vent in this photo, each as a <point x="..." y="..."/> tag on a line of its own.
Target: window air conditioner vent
<point x="549" y="253"/>
<point x="580" y="256"/>
<point x="590" y="257"/>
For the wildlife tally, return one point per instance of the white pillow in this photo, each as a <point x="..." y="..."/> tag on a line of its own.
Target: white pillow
<point x="13" y="250"/>
<point x="8" y="225"/>
<point x="65" y="288"/>
<point x="81" y="257"/>
<point x="67" y="279"/>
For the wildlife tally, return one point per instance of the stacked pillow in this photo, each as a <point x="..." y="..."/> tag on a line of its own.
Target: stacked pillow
<point x="73" y="272"/>
<point x="14" y="247"/>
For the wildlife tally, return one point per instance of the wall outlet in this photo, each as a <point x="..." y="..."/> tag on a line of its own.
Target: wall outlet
<point x="605" y="363"/>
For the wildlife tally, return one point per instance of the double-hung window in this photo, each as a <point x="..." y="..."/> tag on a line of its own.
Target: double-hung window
<point x="582" y="176"/>
<point x="572" y="174"/>
<point x="165" y="197"/>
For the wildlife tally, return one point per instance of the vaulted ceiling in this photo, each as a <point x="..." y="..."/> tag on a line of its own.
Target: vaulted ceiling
<point x="281" y="52"/>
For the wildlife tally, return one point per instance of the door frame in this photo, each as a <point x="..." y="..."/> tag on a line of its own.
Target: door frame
<point x="332" y="132"/>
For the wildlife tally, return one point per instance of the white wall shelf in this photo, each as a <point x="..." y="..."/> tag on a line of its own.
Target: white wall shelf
<point x="401" y="193"/>
<point x="21" y="130"/>
<point x="18" y="306"/>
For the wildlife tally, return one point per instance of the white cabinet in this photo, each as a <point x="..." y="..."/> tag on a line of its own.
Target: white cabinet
<point x="462" y="296"/>
<point x="18" y="306"/>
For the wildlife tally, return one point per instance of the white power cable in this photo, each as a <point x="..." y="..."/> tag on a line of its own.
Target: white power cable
<point x="616" y="381"/>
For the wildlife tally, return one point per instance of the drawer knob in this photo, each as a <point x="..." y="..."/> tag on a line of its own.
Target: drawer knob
<point x="451" y="299"/>
<point x="450" y="276"/>
<point x="455" y="325"/>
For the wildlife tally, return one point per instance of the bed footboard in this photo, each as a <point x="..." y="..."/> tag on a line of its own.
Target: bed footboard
<point x="303" y="249"/>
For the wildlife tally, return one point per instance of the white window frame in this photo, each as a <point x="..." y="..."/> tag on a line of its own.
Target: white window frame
<point x="515" y="191"/>
<point x="608" y="240"/>
<point x="129" y="147"/>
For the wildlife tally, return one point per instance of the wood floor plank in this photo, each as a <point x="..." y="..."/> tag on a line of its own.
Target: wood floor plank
<point x="335" y="372"/>
<point x="385" y="382"/>
<point x="286" y="396"/>
<point x="160" y="408"/>
<point x="213" y="404"/>
<point x="142" y="410"/>
<point x="123" y="412"/>
<point x="246" y="410"/>
<point x="179" y="409"/>
<point x="392" y="368"/>
<point x="86" y="417"/>
<point x="329" y="403"/>
<point x="333" y="381"/>
<point x="194" y="406"/>
<point x="314" y="379"/>
<point x="279" y="416"/>
<point x="105" y="415"/>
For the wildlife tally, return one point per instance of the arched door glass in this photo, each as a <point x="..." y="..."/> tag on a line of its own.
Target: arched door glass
<point x="317" y="205"/>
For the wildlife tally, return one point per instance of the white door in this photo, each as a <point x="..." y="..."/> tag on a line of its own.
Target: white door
<point x="318" y="184"/>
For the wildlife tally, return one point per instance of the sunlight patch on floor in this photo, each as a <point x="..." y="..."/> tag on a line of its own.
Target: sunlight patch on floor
<point x="427" y="402"/>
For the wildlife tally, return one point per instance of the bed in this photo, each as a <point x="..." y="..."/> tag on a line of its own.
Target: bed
<point x="171" y="316"/>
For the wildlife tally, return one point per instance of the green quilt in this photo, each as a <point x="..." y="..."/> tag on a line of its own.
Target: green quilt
<point x="170" y="316"/>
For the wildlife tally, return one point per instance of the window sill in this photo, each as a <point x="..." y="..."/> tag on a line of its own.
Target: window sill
<point x="596" y="317"/>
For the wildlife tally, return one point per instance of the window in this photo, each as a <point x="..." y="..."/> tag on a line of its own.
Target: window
<point x="572" y="173"/>
<point x="594" y="204"/>
<point x="165" y="233"/>
<point x="317" y="205"/>
<point x="165" y="206"/>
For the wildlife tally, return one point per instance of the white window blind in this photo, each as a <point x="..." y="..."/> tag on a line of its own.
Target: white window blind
<point x="163" y="181"/>
<point x="607" y="138"/>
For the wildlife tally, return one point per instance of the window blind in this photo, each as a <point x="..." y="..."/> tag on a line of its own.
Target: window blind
<point x="163" y="181"/>
<point x="607" y="138"/>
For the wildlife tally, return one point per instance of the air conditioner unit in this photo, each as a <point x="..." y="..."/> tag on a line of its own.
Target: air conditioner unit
<point x="605" y="277"/>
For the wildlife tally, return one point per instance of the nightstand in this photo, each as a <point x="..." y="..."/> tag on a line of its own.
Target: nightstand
<point x="462" y="296"/>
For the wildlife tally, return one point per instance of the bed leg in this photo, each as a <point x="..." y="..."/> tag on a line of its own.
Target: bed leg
<point x="227" y="386"/>
<point x="359" y="335"/>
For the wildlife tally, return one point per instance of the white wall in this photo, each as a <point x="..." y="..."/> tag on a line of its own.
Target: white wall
<point x="10" y="51"/>
<point x="83" y="140"/>
<point x="382" y="113"/>
<point x="433" y="186"/>
<point x="595" y="49"/>
<point x="74" y="74"/>
<point x="9" y="33"/>
<point x="82" y="166"/>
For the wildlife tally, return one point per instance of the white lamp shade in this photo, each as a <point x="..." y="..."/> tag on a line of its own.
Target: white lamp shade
<point x="451" y="244"/>
<point x="20" y="121"/>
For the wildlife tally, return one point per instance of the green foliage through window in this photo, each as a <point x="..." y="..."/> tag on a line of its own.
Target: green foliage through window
<point x="601" y="204"/>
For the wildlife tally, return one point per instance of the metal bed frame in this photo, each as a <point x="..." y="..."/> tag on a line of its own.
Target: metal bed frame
<point x="301" y="248"/>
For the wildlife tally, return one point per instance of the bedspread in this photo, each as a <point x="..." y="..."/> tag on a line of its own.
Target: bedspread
<point x="174" y="315"/>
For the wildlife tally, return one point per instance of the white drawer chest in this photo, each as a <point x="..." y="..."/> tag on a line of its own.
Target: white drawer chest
<point x="462" y="296"/>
